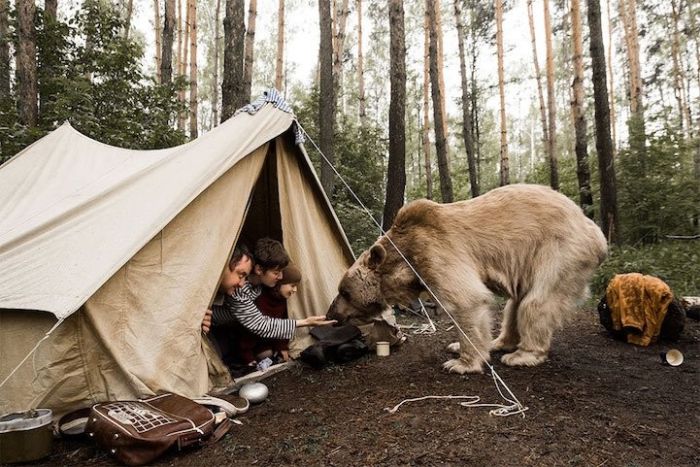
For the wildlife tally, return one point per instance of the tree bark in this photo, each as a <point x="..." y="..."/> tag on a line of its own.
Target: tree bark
<point x="636" y="123"/>
<point x="438" y="116"/>
<point x="279" y="67"/>
<point x="551" y="102"/>
<point x="127" y="20"/>
<point x="193" y="69"/>
<point x="538" y="77"/>
<point x="613" y="126"/>
<point x="582" y="170"/>
<point x="360" y="63"/>
<point x="232" y="97"/>
<point x="396" y="171"/>
<point x="678" y="73"/>
<point x="158" y="51"/>
<point x="217" y="62"/>
<point x="606" y="163"/>
<point x="441" y="61"/>
<point x="426" y="106"/>
<point x="339" y="46"/>
<point x="178" y="66"/>
<point x="327" y="100"/>
<point x="466" y="110"/>
<point x="166" y="63"/>
<point x="4" y="50"/>
<point x="27" y="104"/>
<point x="182" y="117"/>
<point x="505" y="169"/>
<point x="249" y="49"/>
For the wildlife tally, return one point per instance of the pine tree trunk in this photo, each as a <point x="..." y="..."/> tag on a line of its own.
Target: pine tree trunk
<point x="636" y="123"/>
<point x="327" y="102"/>
<point x="551" y="102"/>
<point x="505" y="168"/>
<point x="441" y="62"/>
<point x="127" y="20"/>
<point x="426" y="106"/>
<point x="438" y="116"/>
<point x="27" y="104"/>
<point x="158" y="51"/>
<point x="279" y="66"/>
<point x="606" y="163"/>
<point x="249" y="49"/>
<point x="193" y="70"/>
<point x="538" y="76"/>
<point x="182" y="116"/>
<point x="396" y="171"/>
<point x="613" y="125"/>
<point x="166" y="63"/>
<point x="232" y="97"/>
<point x="217" y="62"/>
<point x="339" y="46"/>
<point x="466" y="110"/>
<point x="180" y="29"/>
<point x="47" y="70"/>
<point x="582" y="169"/>
<point x="678" y="73"/>
<point x="360" y="63"/>
<point x="4" y="50"/>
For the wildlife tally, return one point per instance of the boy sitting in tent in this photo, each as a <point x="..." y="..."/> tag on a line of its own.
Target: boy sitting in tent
<point x="238" y="309"/>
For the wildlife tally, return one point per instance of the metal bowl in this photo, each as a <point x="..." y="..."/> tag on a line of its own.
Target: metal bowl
<point x="254" y="392"/>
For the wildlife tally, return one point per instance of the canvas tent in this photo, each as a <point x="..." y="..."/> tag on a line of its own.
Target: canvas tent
<point x="124" y="250"/>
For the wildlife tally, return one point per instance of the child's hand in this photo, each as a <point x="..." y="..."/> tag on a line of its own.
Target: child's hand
<point x="206" y="321"/>
<point x="319" y="320"/>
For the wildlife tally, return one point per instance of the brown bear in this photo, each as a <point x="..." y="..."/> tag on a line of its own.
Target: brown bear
<point x="528" y="243"/>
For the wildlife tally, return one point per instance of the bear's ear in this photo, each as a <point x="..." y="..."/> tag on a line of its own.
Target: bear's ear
<point x="377" y="254"/>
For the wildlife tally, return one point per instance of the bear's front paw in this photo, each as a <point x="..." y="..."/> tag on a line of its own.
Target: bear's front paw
<point x="457" y="365"/>
<point x="523" y="358"/>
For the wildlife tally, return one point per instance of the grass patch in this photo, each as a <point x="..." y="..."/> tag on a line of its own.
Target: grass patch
<point x="675" y="262"/>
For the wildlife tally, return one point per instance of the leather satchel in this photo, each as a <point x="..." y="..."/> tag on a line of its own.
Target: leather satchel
<point x="137" y="432"/>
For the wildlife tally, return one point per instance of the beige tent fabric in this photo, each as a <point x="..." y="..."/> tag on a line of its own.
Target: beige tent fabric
<point x="73" y="210"/>
<point x="317" y="246"/>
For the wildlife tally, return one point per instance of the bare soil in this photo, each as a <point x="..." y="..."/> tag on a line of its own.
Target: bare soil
<point x="595" y="402"/>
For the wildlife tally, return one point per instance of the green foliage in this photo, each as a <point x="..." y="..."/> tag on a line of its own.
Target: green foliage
<point x="657" y="193"/>
<point x="676" y="262"/>
<point x="90" y="74"/>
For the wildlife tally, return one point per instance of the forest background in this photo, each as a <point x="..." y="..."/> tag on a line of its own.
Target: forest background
<point x="446" y="100"/>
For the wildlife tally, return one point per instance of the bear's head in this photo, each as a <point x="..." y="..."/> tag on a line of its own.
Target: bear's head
<point x="376" y="280"/>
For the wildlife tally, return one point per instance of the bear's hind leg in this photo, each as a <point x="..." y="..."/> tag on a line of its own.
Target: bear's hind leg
<point x="509" y="337"/>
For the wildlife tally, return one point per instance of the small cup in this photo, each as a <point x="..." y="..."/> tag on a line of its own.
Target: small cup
<point x="673" y="357"/>
<point x="382" y="349"/>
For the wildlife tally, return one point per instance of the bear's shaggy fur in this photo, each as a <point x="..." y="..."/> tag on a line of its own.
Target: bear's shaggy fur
<point x="528" y="243"/>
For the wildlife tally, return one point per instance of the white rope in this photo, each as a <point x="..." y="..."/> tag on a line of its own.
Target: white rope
<point x="516" y="406"/>
<point x="31" y="352"/>
<point x="500" y="410"/>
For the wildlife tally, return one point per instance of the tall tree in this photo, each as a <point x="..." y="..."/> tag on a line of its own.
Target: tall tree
<point x="341" y="15"/>
<point x="551" y="102"/>
<point x="636" y="123"/>
<point x="279" y="67"/>
<point x="426" y="106"/>
<point x="438" y="115"/>
<point x="606" y="163"/>
<point x="193" y="68"/>
<point x="396" y="171"/>
<point x="47" y="68"/>
<point x="538" y="77"/>
<point x="27" y="104"/>
<point x="158" y="51"/>
<point x="327" y="102"/>
<point x="505" y="169"/>
<point x="129" y="14"/>
<point x="441" y="60"/>
<point x="182" y="64"/>
<point x="180" y="31"/>
<point x="217" y="61"/>
<point x="166" y="63"/>
<point x="678" y="72"/>
<point x="360" y="63"/>
<point x="249" y="49"/>
<point x="611" y="79"/>
<point x="466" y="108"/>
<point x="582" y="171"/>
<point x="4" y="49"/>
<point x="232" y="96"/>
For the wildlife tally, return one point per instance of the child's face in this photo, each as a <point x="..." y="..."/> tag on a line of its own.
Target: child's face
<point x="235" y="279"/>
<point x="287" y="290"/>
<point x="270" y="277"/>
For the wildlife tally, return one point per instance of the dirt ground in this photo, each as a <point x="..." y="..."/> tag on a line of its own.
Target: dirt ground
<point x="595" y="402"/>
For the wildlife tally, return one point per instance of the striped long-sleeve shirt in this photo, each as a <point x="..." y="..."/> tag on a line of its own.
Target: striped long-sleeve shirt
<point x="240" y="307"/>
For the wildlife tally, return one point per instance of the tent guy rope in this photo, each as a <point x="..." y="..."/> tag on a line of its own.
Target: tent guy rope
<point x="514" y="406"/>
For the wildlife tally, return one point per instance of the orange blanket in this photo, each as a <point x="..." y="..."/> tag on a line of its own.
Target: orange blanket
<point x="638" y="303"/>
